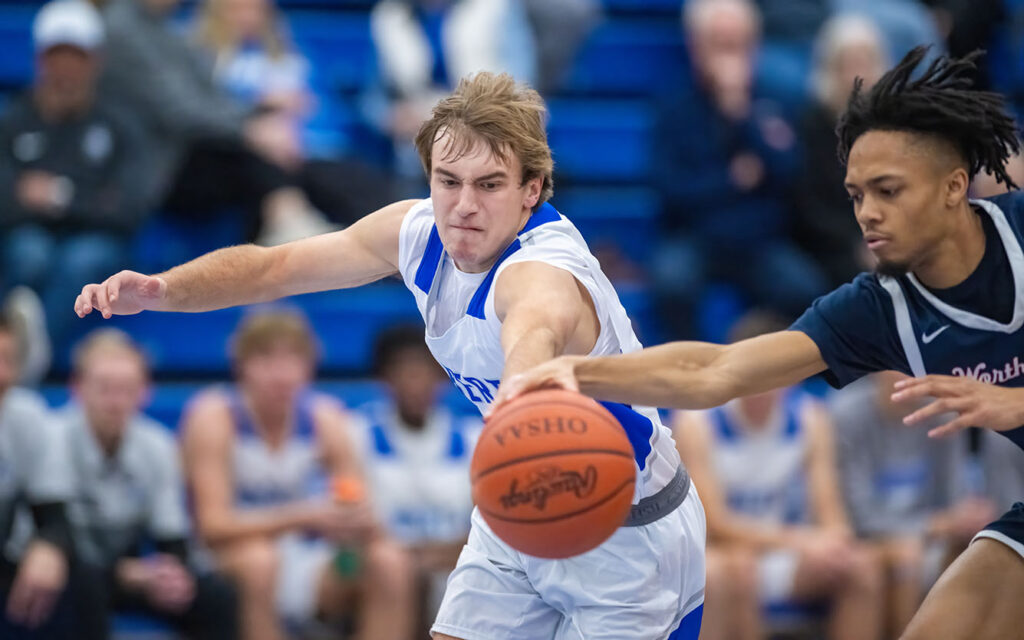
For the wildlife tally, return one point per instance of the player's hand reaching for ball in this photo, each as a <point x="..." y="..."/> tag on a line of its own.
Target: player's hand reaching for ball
<point x="124" y="293"/>
<point x="978" y="404"/>
<point x="554" y="374"/>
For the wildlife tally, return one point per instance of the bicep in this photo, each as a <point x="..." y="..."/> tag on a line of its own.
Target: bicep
<point x="364" y="252"/>
<point x="534" y="295"/>
<point x="767" y="362"/>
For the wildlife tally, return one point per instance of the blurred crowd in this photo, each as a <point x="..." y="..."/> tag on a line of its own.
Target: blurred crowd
<point x="277" y="511"/>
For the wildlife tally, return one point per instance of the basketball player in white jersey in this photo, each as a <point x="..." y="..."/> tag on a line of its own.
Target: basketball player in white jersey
<point x="504" y="282"/>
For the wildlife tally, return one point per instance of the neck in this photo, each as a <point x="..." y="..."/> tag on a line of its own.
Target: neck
<point x="957" y="254"/>
<point x="54" y="106"/>
<point x="271" y="420"/>
<point x="109" y="441"/>
<point x="756" y="414"/>
<point x="413" y="419"/>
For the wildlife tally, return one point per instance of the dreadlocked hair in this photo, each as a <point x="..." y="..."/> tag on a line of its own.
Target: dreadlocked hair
<point x="940" y="103"/>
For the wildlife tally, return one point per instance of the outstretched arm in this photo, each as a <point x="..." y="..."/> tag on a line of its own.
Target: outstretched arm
<point x="545" y="312"/>
<point x="686" y="375"/>
<point x="246" y="274"/>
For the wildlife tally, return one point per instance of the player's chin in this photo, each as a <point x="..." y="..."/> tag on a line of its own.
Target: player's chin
<point x="892" y="268"/>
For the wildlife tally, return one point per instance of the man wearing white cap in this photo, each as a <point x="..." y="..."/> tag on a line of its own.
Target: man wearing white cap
<point x="72" y="178"/>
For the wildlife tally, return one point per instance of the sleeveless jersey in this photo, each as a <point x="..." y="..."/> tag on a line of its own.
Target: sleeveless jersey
<point x="418" y="477"/>
<point x="939" y="338"/>
<point x="762" y="471"/>
<point x="879" y="322"/>
<point x="265" y="476"/>
<point x="470" y="349"/>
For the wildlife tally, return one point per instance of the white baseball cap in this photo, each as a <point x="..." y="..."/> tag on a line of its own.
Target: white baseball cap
<point x="68" y="22"/>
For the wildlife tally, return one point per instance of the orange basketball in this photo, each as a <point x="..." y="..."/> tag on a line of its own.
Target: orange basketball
<point x="553" y="474"/>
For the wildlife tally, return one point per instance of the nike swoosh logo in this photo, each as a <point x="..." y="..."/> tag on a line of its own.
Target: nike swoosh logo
<point x="928" y="337"/>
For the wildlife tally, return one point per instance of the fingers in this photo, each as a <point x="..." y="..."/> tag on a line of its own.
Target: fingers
<point x="85" y="302"/>
<point x="40" y="604"/>
<point x="935" y="386"/>
<point x="102" y="301"/>
<point x="953" y="426"/>
<point x="938" y="407"/>
<point x="17" y="602"/>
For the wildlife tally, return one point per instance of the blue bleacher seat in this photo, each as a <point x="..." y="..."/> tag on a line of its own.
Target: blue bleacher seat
<point x="16" y="63"/>
<point x="630" y="56"/>
<point x="624" y="216"/>
<point x="190" y="344"/>
<point x="600" y="140"/>
<point x="338" y="45"/>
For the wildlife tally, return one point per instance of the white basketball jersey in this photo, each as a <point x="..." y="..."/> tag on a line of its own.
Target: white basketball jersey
<point x="470" y="347"/>
<point x="418" y="476"/>
<point x="762" y="470"/>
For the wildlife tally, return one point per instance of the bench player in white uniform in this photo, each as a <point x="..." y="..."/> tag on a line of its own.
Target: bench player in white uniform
<point x="504" y="283"/>
<point x="945" y="305"/>
<point x="778" y="533"/>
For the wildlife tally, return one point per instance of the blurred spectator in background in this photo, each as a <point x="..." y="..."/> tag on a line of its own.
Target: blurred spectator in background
<point x="904" y="491"/>
<point x="256" y="63"/>
<point x="417" y="459"/>
<point x="72" y="180"/>
<point x="999" y="470"/>
<point x="259" y="457"/>
<point x="724" y="164"/>
<point x="849" y="47"/>
<point x="559" y="28"/>
<point x="966" y="25"/>
<point x="777" y="530"/>
<point x="904" y="24"/>
<point x="129" y="496"/>
<point x="211" y="151"/>
<point x="425" y="46"/>
<point x="33" y="474"/>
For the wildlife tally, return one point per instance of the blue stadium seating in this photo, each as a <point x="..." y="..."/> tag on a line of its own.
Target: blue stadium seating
<point x="183" y="344"/>
<point x="600" y="140"/>
<point x="17" y="61"/>
<point x="603" y="214"/>
<point x="630" y="56"/>
<point x="339" y="45"/>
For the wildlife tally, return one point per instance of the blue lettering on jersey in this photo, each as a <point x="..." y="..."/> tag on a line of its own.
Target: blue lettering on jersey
<point x="477" y="390"/>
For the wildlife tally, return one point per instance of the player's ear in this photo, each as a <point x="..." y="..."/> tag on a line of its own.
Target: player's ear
<point x="956" y="185"/>
<point x="532" y="194"/>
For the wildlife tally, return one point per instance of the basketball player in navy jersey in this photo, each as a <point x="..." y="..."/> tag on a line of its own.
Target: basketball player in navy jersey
<point x="946" y="304"/>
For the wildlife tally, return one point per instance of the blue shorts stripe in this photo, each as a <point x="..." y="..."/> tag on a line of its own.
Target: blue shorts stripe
<point x="689" y="628"/>
<point x="638" y="428"/>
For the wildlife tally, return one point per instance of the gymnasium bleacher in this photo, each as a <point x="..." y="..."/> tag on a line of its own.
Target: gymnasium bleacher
<point x="600" y="131"/>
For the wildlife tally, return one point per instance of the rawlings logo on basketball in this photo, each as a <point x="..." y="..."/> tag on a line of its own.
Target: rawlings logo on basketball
<point x="547" y="482"/>
<point x="541" y="426"/>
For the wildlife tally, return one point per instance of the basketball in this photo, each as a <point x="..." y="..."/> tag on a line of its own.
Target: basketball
<point x="553" y="474"/>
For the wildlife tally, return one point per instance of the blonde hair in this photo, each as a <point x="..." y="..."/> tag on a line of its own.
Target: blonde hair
<point x="260" y="332"/>
<point x="105" y="342"/>
<point x="507" y="117"/>
<point x="212" y="30"/>
<point x="695" y="13"/>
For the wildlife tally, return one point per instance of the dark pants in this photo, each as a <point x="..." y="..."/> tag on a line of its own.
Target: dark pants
<point x="212" y="615"/>
<point x="221" y="174"/>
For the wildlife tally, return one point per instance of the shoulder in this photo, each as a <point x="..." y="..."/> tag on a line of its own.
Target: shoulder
<point x="207" y="415"/>
<point x="417" y="217"/>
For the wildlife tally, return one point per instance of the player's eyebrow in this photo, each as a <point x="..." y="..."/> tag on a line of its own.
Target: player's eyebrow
<point x="492" y="175"/>
<point x="873" y="181"/>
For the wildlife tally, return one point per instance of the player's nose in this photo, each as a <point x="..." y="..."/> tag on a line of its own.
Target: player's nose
<point x="467" y="203"/>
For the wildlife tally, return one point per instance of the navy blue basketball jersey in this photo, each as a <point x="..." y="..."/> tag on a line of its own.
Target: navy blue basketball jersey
<point x="877" y="323"/>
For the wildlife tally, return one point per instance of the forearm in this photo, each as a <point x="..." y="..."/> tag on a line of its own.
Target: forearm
<point x="677" y="375"/>
<point x="251" y="523"/>
<point x="239" y="275"/>
<point x="535" y="346"/>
